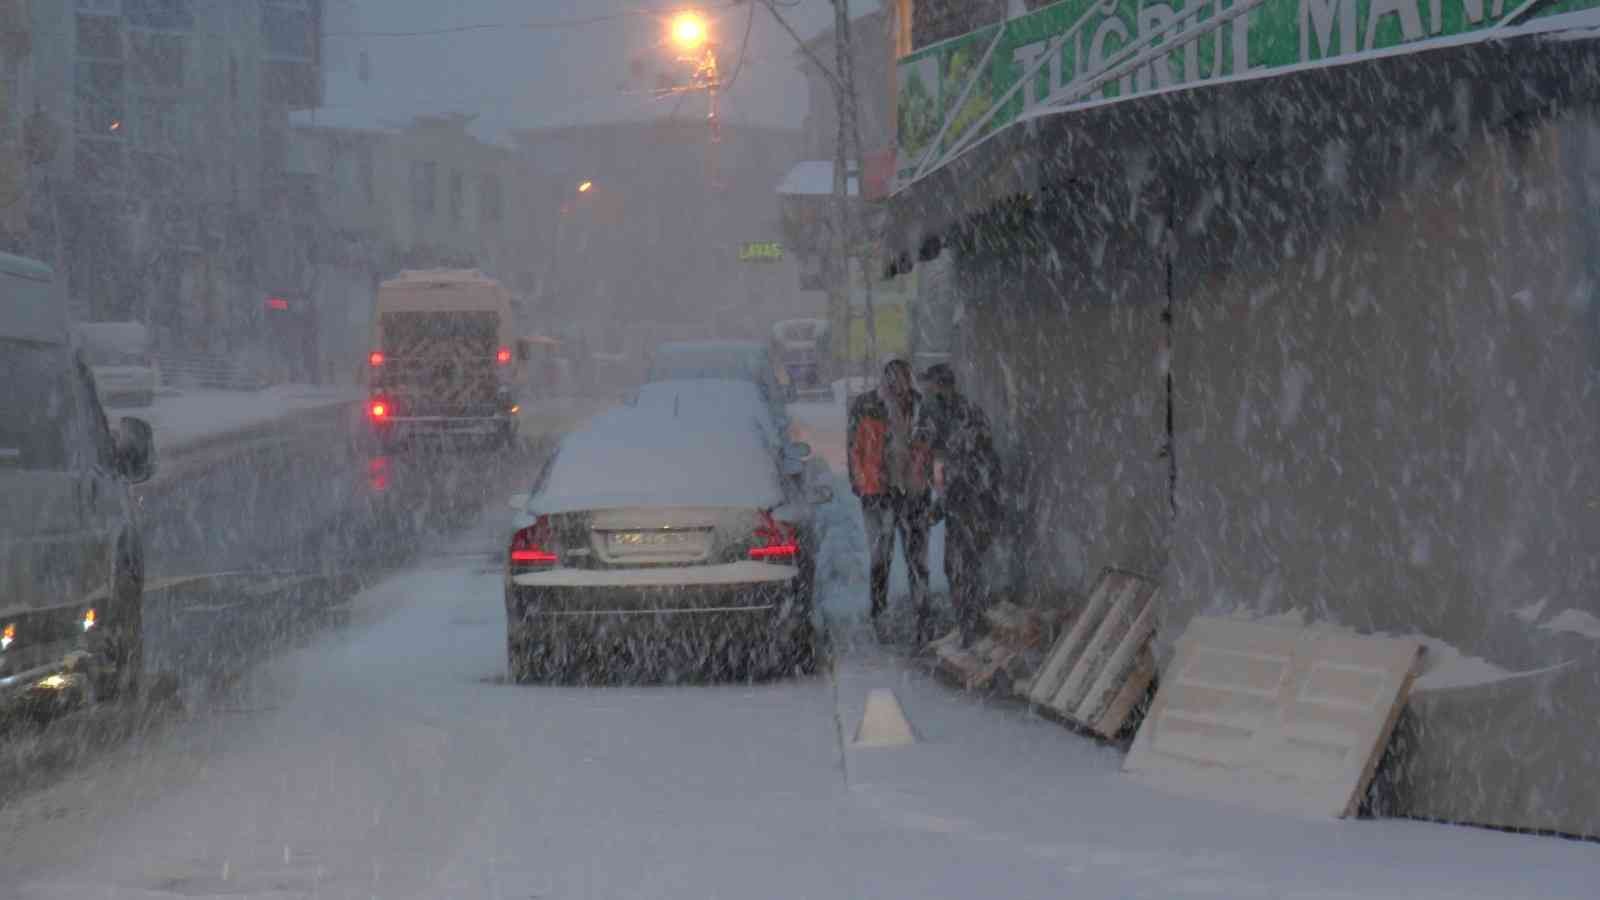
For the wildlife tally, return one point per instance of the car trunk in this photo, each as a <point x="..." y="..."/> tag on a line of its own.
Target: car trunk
<point x="653" y="537"/>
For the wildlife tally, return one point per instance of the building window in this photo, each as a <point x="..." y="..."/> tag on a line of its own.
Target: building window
<point x="158" y="59"/>
<point x="490" y="208"/>
<point x="99" y="96"/>
<point x="457" y="196"/>
<point x="424" y="178"/>
<point x="160" y="124"/>
<point x="286" y="30"/>
<point x="10" y="116"/>
<point x="166" y="15"/>
<point x="99" y="37"/>
<point x="369" y="179"/>
<point x="99" y="163"/>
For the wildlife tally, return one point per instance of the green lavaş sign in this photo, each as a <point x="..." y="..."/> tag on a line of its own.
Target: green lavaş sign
<point x="1086" y="51"/>
<point x="760" y="251"/>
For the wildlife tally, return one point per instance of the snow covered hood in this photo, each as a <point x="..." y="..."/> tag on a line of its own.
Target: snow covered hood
<point x="648" y="456"/>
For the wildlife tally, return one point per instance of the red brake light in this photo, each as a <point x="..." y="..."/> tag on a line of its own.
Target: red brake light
<point x="379" y="410"/>
<point x="774" y="540"/>
<point x="503" y="356"/>
<point x="375" y="358"/>
<point x="531" y="546"/>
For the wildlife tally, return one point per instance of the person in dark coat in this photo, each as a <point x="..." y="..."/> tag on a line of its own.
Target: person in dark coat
<point x="957" y="432"/>
<point x="891" y="473"/>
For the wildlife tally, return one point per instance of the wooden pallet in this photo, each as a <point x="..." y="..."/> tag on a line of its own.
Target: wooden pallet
<point x="1102" y="666"/>
<point x="1013" y="632"/>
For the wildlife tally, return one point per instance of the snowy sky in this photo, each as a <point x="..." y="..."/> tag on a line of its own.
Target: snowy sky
<point x="521" y="77"/>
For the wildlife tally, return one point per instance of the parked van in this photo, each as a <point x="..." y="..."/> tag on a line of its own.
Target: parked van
<point x="71" y="559"/>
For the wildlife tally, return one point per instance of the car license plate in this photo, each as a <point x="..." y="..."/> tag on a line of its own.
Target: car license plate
<point x="652" y="540"/>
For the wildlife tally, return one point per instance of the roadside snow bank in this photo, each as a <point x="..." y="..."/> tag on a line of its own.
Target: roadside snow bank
<point x="193" y="416"/>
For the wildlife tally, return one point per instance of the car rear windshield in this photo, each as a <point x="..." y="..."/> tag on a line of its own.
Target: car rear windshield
<point x="36" y="407"/>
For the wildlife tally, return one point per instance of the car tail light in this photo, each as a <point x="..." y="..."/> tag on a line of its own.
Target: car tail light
<point x="379" y="410"/>
<point x="375" y="358"/>
<point x="775" y="541"/>
<point x="503" y="356"/>
<point x="531" y="547"/>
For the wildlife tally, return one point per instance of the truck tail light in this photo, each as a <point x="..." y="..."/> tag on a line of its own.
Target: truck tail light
<point x="375" y="358"/>
<point x="774" y="541"/>
<point x="531" y="547"/>
<point x="503" y="356"/>
<point x="379" y="410"/>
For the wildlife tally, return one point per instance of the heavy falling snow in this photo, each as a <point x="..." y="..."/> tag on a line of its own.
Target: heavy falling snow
<point x="460" y="450"/>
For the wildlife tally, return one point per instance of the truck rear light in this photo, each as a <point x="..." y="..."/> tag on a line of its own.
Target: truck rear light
<point x="375" y="358"/>
<point x="503" y="356"/>
<point x="379" y="410"/>
<point x="531" y="546"/>
<point x="8" y="637"/>
<point x="774" y="541"/>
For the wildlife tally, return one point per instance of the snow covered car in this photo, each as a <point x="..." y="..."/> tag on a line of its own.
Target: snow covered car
<point x="660" y="543"/>
<point x="119" y="355"/>
<point x="71" y="560"/>
<point x="725" y="360"/>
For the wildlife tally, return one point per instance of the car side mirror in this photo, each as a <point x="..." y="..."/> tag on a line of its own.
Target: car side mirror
<point x="518" y="502"/>
<point x="820" y="494"/>
<point x="135" y="448"/>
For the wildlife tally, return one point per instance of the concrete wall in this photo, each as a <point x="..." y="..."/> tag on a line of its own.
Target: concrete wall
<point x="1386" y="382"/>
<point x="1067" y="356"/>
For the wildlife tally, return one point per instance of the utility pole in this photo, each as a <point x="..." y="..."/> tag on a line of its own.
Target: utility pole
<point x="845" y="233"/>
<point x="850" y="127"/>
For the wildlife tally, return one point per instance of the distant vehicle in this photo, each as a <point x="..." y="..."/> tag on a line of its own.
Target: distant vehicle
<point x="71" y="558"/>
<point x="119" y="355"/>
<point x="734" y="360"/>
<point x="655" y="531"/>
<point x="444" y="361"/>
<point x="801" y="348"/>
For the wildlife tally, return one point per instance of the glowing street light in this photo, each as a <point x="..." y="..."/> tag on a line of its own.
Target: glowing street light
<point x="689" y="31"/>
<point x="585" y="187"/>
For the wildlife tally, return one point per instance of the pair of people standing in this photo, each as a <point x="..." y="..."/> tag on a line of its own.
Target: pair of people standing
<point x="904" y="446"/>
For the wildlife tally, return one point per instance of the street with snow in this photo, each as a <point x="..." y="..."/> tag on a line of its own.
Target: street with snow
<point x="389" y="757"/>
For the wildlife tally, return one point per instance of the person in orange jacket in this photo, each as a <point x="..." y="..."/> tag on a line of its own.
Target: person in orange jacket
<point x="892" y="472"/>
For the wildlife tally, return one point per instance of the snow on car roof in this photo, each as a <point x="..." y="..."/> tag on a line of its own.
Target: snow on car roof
<point x="655" y="456"/>
<point x="711" y="402"/>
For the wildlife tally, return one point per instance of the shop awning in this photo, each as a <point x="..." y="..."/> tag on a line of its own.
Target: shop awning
<point x="1022" y="148"/>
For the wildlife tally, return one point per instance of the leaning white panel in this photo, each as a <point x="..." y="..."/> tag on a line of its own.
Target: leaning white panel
<point x="1279" y="718"/>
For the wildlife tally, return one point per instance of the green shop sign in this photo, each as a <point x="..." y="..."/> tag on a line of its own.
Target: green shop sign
<point x="1079" y="52"/>
<point x="760" y="251"/>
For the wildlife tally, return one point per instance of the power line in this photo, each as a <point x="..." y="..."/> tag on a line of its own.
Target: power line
<point x="547" y="25"/>
<point x="744" y="45"/>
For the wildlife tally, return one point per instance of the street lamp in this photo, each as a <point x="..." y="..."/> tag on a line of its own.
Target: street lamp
<point x="689" y="31"/>
<point x="585" y="187"/>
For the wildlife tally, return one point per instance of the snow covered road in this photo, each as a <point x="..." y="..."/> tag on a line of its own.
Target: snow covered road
<point x="391" y="760"/>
